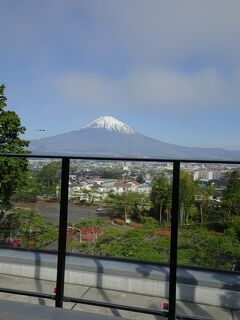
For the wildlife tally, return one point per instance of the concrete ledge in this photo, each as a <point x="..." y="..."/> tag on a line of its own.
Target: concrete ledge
<point x="214" y="288"/>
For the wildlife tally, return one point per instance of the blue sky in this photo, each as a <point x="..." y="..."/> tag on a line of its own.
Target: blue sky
<point x="169" y="69"/>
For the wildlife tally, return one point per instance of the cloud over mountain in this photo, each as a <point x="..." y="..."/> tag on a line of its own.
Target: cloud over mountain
<point x="154" y="89"/>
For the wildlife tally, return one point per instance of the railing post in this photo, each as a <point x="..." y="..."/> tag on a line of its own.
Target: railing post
<point x="174" y="239"/>
<point x="62" y="232"/>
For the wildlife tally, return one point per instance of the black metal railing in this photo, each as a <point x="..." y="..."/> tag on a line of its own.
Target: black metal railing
<point x="59" y="297"/>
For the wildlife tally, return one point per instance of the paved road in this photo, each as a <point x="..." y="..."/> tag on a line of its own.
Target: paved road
<point x="75" y="212"/>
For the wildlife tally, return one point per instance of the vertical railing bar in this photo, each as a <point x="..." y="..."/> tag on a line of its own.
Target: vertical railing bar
<point x="62" y="232"/>
<point x="174" y="239"/>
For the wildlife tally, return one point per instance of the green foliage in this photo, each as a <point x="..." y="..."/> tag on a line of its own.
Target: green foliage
<point x="150" y="222"/>
<point x="97" y="222"/>
<point x="138" y="244"/>
<point x="160" y="196"/>
<point x="231" y="196"/>
<point x="208" y="249"/>
<point x="10" y="129"/>
<point x="129" y="204"/>
<point x="32" y="229"/>
<point x="92" y="195"/>
<point x="205" y="203"/>
<point x="12" y="170"/>
<point x="110" y="173"/>
<point x="29" y="191"/>
<point x="187" y="190"/>
<point x="85" y="247"/>
<point x="140" y="178"/>
<point x="111" y="233"/>
<point x="216" y="218"/>
<point x="50" y="174"/>
<point x="197" y="247"/>
<point x="235" y="225"/>
<point x="160" y="189"/>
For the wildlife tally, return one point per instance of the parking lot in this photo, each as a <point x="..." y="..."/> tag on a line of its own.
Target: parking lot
<point x="75" y="212"/>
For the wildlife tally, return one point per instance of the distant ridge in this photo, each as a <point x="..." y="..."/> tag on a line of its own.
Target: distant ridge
<point x="107" y="136"/>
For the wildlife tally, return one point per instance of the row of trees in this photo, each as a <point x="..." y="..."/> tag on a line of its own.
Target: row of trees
<point x="42" y="183"/>
<point x="196" y="202"/>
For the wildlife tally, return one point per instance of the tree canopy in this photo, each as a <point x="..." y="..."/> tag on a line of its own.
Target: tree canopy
<point x="11" y="169"/>
<point x="161" y="197"/>
<point x="50" y="174"/>
<point x="129" y="204"/>
<point x="10" y="129"/>
<point x="231" y="196"/>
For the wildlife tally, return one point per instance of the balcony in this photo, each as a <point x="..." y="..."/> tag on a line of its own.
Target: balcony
<point x="130" y="288"/>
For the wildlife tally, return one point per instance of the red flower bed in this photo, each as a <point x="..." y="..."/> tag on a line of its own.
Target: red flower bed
<point x="91" y="230"/>
<point x="163" y="233"/>
<point x="135" y="224"/>
<point x="88" y="237"/>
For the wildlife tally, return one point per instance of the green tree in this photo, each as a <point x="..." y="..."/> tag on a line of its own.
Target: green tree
<point x="231" y="196"/>
<point x="12" y="170"/>
<point x="32" y="229"/>
<point x="92" y="195"/>
<point x="161" y="197"/>
<point x="129" y="204"/>
<point x="204" y="202"/>
<point x="115" y="173"/>
<point x="139" y="243"/>
<point x="207" y="249"/>
<point x="50" y="174"/>
<point x="187" y="192"/>
<point x="140" y="178"/>
<point x="29" y="191"/>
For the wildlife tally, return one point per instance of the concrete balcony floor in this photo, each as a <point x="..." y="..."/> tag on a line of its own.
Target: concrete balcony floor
<point x="12" y="308"/>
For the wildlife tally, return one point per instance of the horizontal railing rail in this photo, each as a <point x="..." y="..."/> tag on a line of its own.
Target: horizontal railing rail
<point x="60" y="298"/>
<point x="106" y="158"/>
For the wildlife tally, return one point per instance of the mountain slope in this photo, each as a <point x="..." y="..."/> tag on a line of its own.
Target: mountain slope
<point x="107" y="136"/>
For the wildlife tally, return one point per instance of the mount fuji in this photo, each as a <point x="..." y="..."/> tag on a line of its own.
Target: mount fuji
<point x="107" y="136"/>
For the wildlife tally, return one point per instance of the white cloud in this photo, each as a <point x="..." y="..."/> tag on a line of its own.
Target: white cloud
<point x="156" y="89"/>
<point x="86" y="88"/>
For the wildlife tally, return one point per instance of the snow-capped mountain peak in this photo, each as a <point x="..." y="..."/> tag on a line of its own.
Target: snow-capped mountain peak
<point x="111" y="124"/>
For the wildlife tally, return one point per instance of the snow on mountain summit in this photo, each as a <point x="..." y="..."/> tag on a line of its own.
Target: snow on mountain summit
<point x="111" y="124"/>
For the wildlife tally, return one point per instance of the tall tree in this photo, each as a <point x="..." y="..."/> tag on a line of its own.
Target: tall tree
<point x="231" y="196"/>
<point x="161" y="197"/>
<point x="204" y="202"/>
<point x="12" y="170"/>
<point x="187" y="192"/>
